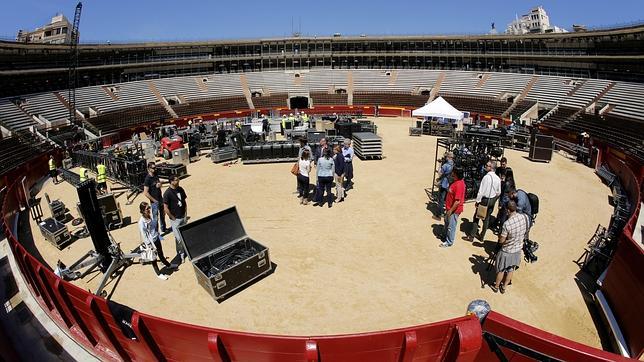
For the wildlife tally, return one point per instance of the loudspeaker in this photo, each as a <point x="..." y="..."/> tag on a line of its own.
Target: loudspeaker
<point x="540" y="148"/>
<point x="91" y="211"/>
<point x="542" y="141"/>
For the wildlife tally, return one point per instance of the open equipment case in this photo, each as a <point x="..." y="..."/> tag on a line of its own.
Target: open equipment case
<point x="224" y="257"/>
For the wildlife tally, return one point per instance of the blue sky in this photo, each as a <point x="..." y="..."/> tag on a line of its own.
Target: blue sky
<point x="134" y="20"/>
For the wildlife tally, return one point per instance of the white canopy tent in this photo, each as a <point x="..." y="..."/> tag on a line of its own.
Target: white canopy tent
<point x="438" y="108"/>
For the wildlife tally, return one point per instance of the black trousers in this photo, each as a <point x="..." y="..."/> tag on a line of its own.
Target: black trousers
<point x="486" y="221"/>
<point x="302" y="186"/>
<point x="155" y="266"/>
<point x="325" y="183"/>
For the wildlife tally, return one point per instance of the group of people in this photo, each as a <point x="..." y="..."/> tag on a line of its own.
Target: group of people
<point x="512" y="222"/>
<point x="332" y="164"/>
<point x="152" y="224"/>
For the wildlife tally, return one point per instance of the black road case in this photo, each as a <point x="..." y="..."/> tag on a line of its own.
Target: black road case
<point x="58" y="210"/>
<point x="165" y="170"/>
<point x="224" y="257"/>
<point x="55" y="232"/>
<point x="111" y="211"/>
<point x="222" y="154"/>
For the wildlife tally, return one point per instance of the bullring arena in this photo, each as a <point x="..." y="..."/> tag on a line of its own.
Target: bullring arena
<point x="371" y="262"/>
<point x="365" y="279"/>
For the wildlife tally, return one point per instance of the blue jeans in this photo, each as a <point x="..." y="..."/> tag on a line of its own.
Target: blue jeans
<point x="450" y="228"/>
<point x="157" y="213"/>
<point x="177" y="237"/>
<point x="324" y="183"/>
<point x="442" y="194"/>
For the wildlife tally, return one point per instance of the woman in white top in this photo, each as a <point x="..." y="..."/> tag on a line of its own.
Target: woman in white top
<point x="150" y="237"/>
<point x="305" y="165"/>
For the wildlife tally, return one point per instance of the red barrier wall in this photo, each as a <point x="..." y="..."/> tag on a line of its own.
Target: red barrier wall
<point x="623" y="285"/>
<point x="537" y="340"/>
<point x="90" y="322"/>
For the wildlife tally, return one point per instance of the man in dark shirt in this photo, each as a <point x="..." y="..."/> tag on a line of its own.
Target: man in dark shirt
<point x="152" y="190"/>
<point x="174" y="202"/>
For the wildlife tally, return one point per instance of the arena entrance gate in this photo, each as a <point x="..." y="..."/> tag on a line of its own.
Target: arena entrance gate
<point x="299" y="102"/>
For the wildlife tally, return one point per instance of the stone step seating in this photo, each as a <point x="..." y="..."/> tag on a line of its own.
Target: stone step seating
<point x="325" y="99"/>
<point x="13" y="118"/>
<point x="390" y="99"/>
<point x="46" y="105"/>
<point x="550" y="90"/>
<point x="20" y="148"/>
<point x="628" y="99"/>
<point x="213" y="105"/>
<point x="112" y="121"/>
<point x="482" y="105"/>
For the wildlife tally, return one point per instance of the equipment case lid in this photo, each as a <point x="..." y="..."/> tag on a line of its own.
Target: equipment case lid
<point x="212" y="232"/>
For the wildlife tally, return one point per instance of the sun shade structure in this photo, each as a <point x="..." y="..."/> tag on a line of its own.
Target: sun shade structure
<point x="439" y="108"/>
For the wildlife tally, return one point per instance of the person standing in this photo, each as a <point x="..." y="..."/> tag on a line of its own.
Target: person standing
<point x="174" y="202"/>
<point x="520" y="197"/>
<point x="152" y="190"/>
<point x="321" y="149"/>
<point x="303" y="147"/>
<point x="454" y="206"/>
<point x="82" y="172"/>
<point x="507" y="182"/>
<point x="443" y="183"/>
<point x="325" y="171"/>
<point x="150" y="237"/>
<point x="101" y="176"/>
<point x="52" y="169"/>
<point x="347" y="152"/>
<point x="511" y="240"/>
<point x="305" y="164"/>
<point x="339" y="167"/>
<point x="489" y="192"/>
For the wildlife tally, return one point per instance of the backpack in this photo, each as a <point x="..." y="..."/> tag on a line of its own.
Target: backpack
<point x="534" y="203"/>
<point x="529" y="249"/>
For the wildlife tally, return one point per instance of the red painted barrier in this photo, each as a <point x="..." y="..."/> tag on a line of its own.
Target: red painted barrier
<point x="623" y="285"/>
<point x="90" y="321"/>
<point x="537" y="340"/>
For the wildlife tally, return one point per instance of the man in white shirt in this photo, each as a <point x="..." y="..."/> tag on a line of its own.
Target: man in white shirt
<point x="489" y="192"/>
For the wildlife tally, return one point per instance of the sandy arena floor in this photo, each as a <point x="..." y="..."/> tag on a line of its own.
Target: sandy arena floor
<point x="372" y="262"/>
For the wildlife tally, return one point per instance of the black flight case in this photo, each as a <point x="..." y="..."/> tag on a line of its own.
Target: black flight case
<point x="55" y="232"/>
<point x="166" y="170"/>
<point x="224" y="257"/>
<point x="111" y="210"/>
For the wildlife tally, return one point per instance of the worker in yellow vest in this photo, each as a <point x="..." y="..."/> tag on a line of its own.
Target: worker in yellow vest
<point x="52" y="169"/>
<point x="305" y="118"/>
<point x="101" y="177"/>
<point x="83" y="174"/>
<point x="283" y="124"/>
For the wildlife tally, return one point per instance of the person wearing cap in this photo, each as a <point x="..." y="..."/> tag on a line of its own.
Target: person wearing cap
<point x="443" y="183"/>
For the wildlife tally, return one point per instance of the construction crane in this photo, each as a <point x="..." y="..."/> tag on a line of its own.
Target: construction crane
<point x="73" y="63"/>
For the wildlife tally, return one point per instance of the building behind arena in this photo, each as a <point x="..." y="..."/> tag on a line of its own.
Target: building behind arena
<point x="567" y="83"/>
